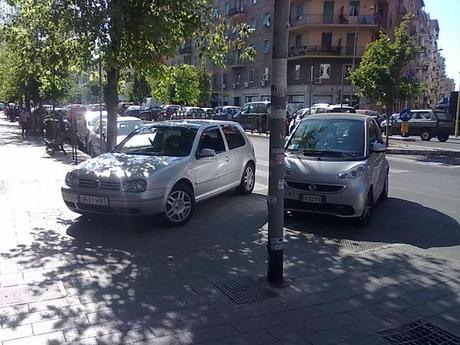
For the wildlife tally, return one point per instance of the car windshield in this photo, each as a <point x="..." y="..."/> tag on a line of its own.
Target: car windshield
<point x="160" y="141"/>
<point x="126" y="127"/>
<point x="335" y="137"/>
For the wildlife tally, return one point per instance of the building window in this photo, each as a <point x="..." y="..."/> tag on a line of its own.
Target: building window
<point x="265" y="98"/>
<point x="253" y="23"/>
<point x="266" y="46"/>
<point x="267" y="19"/>
<point x="251" y="99"/>
<point x="297" y="72"/>
<point x="226" y="8"/>
<point x="299" y="12"/>
<point x="251" y="75"/>
<point x="298" y="41"/>
<point x="254" y="2"/>
<point x="354" y="8"/>
<point x="326" y="39"/>
<point x="266" y="71"/>
<point x="325" y="71"/>
<point x="224" y="78"/>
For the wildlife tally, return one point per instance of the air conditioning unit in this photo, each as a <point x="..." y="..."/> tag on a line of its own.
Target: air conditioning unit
<point x="233" y="85"/>
<point x="318" y="80"/>
<point x="224" y="86"/>
<point x="246" y="84"/>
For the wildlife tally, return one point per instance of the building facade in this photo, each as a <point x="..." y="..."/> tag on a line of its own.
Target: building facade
<point x="327" y="38"/>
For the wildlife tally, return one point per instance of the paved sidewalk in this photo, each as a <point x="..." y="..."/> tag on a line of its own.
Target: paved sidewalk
<point x="135" y="282"/>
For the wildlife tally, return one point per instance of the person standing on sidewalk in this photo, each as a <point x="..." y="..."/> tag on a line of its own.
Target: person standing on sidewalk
<point x="24" y="117"/>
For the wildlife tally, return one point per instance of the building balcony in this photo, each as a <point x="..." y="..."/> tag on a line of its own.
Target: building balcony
<point x="329" y="51"/>
<point x="310" y="20"/>
<point x="236" y="11"/>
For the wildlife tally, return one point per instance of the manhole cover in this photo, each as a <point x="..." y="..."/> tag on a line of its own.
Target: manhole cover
<point x="244" y="289"/>
<point x="419" y="332"/>
<point x="356" y="246"/>
<point x="30" y="293"/>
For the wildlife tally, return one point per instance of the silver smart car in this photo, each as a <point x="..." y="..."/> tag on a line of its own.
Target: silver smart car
<point x="335" y="164"/>
<point x="164" y="168"/>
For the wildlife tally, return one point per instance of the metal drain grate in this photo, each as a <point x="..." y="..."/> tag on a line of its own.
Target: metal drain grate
<point x="30" y="293"/>
<point x="356" y="246"/>
<point x="419" y="332"/>
<point x="244" y="289"/>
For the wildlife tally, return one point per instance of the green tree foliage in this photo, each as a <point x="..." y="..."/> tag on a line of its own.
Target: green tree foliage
<point x="205" y="86"/>
<point x="380" y="75"/>
<point x="139" y="88"/>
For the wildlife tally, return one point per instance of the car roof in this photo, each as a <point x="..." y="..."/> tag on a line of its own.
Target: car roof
<point x="339" y="116"/>
<point x="191" y="123"/>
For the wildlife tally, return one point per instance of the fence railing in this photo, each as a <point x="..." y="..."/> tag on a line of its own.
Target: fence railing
<point x="316" y="19"/>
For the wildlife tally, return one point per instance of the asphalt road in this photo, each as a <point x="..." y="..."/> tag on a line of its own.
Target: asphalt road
<point x="423" y="209"/>
<point x="451" y="144"/>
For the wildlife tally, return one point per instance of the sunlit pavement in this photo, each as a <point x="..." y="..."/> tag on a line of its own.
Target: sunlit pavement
<point x="132" y="281"/>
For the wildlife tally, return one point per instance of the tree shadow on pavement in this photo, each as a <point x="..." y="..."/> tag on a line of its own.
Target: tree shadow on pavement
<point x="395" y="221"/>
<point x="131" y="280"/>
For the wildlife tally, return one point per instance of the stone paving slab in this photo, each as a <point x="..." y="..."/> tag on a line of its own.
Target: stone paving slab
<point x="133" y="282"/>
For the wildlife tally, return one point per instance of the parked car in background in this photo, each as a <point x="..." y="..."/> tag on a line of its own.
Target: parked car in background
<point x="296" y="118"/>
<point x="225" y="113"/>
<point x="169" y="111"/>
<point x="425" y="123"/>
<point x="150" y="113"/>
<point x="193" y="113"/>
<point x="133" y="110"/>
<point x="123" y="106"/>
<point x="125" y="125"/>
<point x="209" y="112"/>
<point x="337" y="108"/>
<point x="335" y="164"/>
<point x="254" y="116"/>
<point x="378" y="117"/>
<point x="164" y="168"/>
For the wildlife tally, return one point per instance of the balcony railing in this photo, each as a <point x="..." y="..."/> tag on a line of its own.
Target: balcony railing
<point x="325" y="50"/>
<point x="236" y="11"/>
<point x="319" y="19"/>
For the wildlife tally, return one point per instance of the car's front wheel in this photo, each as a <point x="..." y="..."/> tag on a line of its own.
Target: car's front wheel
<point x="180" y="205"/>
<point x="248" y="180"/>
<point x="368" y="211"/>
<point x="443" y="137"/>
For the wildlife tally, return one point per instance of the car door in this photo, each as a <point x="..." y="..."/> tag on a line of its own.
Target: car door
<point x="237" y="152"/>
<point x="376" y="159"/>
<point x="210" y="172"/>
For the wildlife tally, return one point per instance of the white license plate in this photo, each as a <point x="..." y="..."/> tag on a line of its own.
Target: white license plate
<point x="315" y="199"/>
<point x="94" y="200"/>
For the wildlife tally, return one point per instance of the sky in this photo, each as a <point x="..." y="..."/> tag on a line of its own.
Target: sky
<point x="447" y="13"/>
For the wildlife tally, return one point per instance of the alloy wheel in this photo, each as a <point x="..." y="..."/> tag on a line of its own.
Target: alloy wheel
<point x="178" y="206"/>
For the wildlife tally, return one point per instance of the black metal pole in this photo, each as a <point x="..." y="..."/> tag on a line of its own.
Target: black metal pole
<point x="275" y="249"/>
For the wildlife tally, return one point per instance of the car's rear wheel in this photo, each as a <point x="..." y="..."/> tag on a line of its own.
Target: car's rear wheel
<point x="368" y="211"/>
<point x="247" y="180"/>
<point x="425" y="135"/>
<point x="443" y="137"/>
<point x="180" y="205"/>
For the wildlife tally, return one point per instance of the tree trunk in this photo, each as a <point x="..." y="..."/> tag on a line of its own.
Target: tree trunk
<point x="111" y="101"/>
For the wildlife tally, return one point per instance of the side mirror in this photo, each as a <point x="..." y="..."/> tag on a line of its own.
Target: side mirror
<point x="207" y="153"/>
<point x="378" y="147"/>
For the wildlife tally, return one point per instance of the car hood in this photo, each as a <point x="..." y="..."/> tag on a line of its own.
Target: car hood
<point x="119" y="165"/>
<point x="313" y="170"/>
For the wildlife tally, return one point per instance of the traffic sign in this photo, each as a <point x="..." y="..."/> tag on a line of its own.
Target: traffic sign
<point x="405" y="115"/>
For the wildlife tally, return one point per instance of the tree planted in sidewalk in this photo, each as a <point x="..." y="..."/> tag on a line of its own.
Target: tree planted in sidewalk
<point x="134" y="34"/>
<point x="380" y="75"/>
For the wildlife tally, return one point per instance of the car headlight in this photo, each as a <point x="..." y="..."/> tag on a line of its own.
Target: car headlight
<point x="134" y="186"/>
<point x="71" y="179"/>
<point x="353" y="173"/>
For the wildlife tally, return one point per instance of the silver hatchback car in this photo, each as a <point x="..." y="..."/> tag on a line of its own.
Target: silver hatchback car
<point x="164" y="168"/>
<point x="335" y="164"/>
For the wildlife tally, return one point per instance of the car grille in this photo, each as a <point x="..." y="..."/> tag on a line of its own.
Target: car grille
<point x="313" y="187"/>
<point x="88" y="183"/>
<point x="342" y="210"/>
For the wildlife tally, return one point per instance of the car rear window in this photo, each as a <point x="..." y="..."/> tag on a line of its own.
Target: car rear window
<point x="442" y="116"/>
<point x="234" y="137"/>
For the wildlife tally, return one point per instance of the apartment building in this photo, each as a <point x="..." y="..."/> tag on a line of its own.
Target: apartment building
<point x="327" y="38"/>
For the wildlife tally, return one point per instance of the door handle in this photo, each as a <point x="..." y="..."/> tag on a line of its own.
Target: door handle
<point x="227" y="158"/>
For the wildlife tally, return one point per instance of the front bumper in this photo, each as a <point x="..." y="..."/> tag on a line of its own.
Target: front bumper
<point x="346" y="203"/>
<point x="120" y="203"/>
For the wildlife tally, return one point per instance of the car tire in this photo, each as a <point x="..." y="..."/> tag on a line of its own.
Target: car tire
<point x="248" y="180"/>
<point x="425" y="135"/>
<point x="385" y="190"/>
<point x="368" y="212"/>
<point x="179" y="206"/>
<point x="443" y="137"/>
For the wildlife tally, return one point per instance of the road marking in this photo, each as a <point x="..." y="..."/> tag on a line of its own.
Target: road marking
<point x="398" y="171"/>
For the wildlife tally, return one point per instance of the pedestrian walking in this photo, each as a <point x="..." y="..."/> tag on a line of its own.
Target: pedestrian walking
<point x="24" y="119"/>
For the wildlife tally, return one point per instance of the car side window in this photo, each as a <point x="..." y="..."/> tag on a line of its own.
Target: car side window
<point x="234" y="137"/>
<point x="212" y="139"/>
<point x="425" y="116"/>
<point x="373" y="135"/>
<point x="245" y="109"/>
